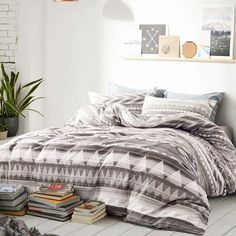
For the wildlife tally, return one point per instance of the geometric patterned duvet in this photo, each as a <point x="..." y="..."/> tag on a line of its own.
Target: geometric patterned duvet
<point x="154" y="171"/>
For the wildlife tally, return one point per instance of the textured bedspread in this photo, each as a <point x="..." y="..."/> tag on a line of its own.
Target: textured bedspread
<point x="155" y="171"/>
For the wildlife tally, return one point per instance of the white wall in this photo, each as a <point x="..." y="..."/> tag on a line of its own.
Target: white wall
<point x="30" y="54"/>
<point x="82" y="51"/>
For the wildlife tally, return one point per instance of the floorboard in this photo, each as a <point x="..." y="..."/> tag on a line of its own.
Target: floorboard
<point x="67" y="229"/>
<point x="222" y="222"/>
<point x="96" y="228"/>
<point x="116" y="229"/>
<point x="160" y="233"/>
<point x="231" y="232"/>
<point x="137" y="231"/>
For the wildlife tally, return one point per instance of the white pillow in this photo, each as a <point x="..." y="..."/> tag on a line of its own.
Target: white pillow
<point x="159" y="106"/>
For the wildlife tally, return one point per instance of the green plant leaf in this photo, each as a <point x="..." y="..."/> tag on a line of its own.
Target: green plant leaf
<point x="31" y="83"/>
<point x="4" y="72"/>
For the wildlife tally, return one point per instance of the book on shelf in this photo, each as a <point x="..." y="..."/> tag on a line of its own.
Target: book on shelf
<point x="56" y="189"/>
<point x="90" y="207"/>
<point x="55" y="203"/>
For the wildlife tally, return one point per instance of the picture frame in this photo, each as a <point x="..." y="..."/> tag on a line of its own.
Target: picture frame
<point x="220" y="21"/>
<point x="150" y="37"/>
<point x="169" y="46"/>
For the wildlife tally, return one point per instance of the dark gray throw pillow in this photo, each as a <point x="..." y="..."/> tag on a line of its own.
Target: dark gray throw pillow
<point x="216" y="96"/>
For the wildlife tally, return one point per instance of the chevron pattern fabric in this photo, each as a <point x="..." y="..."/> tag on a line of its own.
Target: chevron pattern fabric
<point x="133" y="101"/>
<point x="155" y="171"/>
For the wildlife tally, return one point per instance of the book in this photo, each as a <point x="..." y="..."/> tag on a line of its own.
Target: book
<point x="15" y="202"/>
<point x="56" y="189"/>
<point x="11" y="195"/>
<point x="15" y="208"/>
<point x="90" y="214"/>
<point x="63" y="208"/>
<point x="51" y="211"/>
<point x="89" y="218"/>
<point x="14" y="213"/>
<point x="49" y="216"/>
<point x="59" y="198"/>
<point x="90" y="206"/>
<point x="74" y="219"/>
<point x="55" y="203"/>
<point x="10" y="188"/>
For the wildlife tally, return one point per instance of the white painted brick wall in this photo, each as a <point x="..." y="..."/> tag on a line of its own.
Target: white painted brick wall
<point x="8" y="30"/>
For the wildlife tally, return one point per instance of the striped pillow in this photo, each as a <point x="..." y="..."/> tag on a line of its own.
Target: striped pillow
<point x="156" y="106"/>
<point x="216" y="96"/>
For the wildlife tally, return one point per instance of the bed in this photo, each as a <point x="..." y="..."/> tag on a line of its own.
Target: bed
<point x="155" y="171"/>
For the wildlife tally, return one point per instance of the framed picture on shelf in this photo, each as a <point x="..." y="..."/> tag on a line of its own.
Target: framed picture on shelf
<point x="150" y="38"/>
<point x="169" y="46"/>
<point x="220" y="21"/>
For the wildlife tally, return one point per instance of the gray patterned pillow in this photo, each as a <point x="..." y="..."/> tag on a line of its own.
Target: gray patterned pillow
<point x="157" y="106"/>
<point x="216" y="96"/>
<point x="134" y="102"/>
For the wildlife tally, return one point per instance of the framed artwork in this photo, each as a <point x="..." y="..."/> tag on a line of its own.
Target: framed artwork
<point x="150" y="38"/>
<point x="220" y="21"/>
<point x="169" y="46"/>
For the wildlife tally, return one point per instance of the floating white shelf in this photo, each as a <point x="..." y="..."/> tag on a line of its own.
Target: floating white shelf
<point x="152" y="58"/>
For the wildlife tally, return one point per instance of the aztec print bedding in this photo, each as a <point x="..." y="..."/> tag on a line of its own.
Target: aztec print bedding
<point x="154" y="171"/>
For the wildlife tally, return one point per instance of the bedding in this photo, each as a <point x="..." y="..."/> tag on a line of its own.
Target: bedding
<point x="133" y="101"/>
<point x="216" y="96"/>
<point x="157" y="106"/>
<point x="155" y="171"/>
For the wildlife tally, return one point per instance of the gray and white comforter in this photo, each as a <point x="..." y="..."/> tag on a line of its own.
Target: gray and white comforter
<point x="154" y="171"/>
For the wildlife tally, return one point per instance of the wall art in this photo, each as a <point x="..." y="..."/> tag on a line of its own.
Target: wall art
<point x="220" y="21"/>
<point x="150" y="38"/>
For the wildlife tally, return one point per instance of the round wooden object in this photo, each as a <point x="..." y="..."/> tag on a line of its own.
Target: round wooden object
<point x="189" y="49"/>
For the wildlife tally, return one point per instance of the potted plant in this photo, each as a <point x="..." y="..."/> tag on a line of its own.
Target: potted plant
<point x="15" y="99"/>
<point x="3" y="131"/>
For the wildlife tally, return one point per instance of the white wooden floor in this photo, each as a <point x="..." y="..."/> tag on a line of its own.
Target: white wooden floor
<point x="222" y="223"/>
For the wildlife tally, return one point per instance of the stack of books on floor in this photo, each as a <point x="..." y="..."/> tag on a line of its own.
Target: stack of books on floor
<point x="53" y="201"/>
<point x="89" y="212"/>
<point x="13" y="199"/>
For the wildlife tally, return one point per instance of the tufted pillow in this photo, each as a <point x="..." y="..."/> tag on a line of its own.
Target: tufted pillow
<point x="157" y="106"/>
